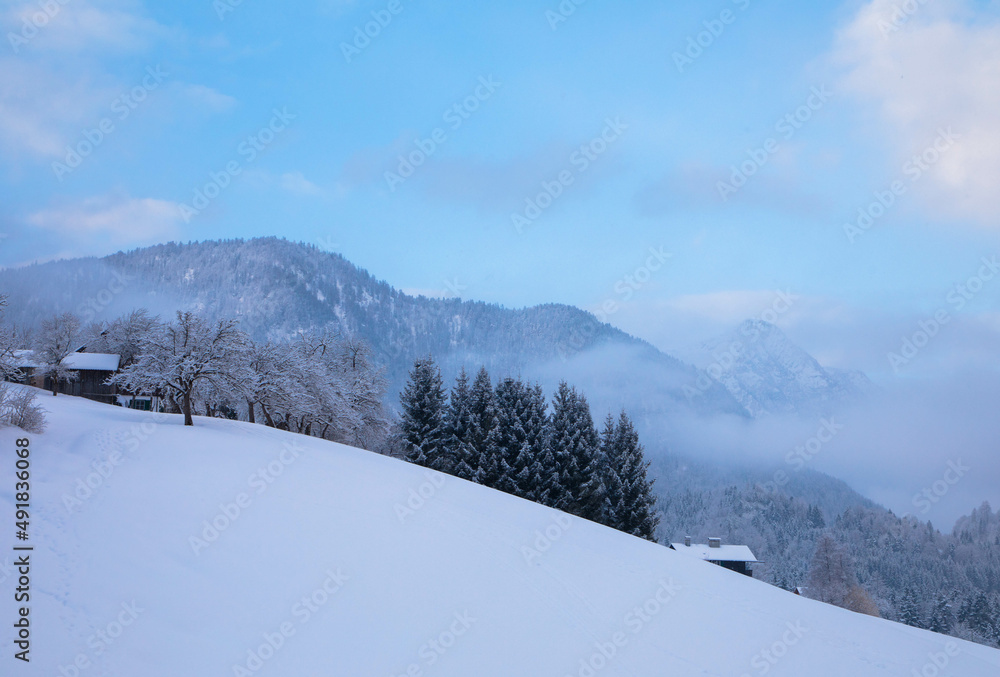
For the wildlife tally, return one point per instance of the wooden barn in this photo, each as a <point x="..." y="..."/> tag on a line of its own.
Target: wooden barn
<point x="738" y="558"/>
<point x="93" y="369"/>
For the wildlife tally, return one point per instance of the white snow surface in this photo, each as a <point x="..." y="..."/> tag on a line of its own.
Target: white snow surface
<point x="448" y="589"/>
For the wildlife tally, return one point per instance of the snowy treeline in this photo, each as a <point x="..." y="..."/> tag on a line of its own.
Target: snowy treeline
<point x="504" y="437"/>
<point x="320" y="384"/>
<point x="17" y="407"/>
<point x="948" y="583"/>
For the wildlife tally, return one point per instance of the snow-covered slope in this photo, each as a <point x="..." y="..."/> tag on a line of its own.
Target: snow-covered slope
<point x="768" y="374"/>
<point x="336" y="562"/>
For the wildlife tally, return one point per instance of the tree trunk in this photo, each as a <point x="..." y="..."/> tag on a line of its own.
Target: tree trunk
<point x="250" y="412"/>
<point x="188" y="419"/>
<point x="267" y="417"/>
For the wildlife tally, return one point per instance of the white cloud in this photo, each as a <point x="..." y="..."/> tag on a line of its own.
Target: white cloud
<point x="938" y="68"/>
<point x="79" y="25"/>
<point x="111" y="222"/>
<point x="204" y="96"/>
<point x="296" y="182"/>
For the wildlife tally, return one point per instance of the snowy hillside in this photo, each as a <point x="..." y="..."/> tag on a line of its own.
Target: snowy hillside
<point x="233" y="549"/>
<point x="768" y="374"/>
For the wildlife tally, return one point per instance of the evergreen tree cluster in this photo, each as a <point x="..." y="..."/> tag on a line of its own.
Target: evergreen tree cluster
<point x="504" y="437"/>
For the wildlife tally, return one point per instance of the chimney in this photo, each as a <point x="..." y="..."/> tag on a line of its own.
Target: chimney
<point x="715" y="542"/>
<point x="687" y="541"/>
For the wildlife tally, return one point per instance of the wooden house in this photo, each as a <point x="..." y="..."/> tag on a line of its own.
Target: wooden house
<point x="738" y="558"/>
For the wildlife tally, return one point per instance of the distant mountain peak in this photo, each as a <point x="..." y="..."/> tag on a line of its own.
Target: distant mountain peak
<point x="769" y="374"/>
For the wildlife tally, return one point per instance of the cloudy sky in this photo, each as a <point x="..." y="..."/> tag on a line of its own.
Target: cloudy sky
<point x="844" y="153"/>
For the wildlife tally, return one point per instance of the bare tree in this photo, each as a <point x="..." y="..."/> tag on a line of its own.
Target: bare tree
<point x="186" y="354"/>
<point x="58" y="338"/>
<point x="831" y="575"/>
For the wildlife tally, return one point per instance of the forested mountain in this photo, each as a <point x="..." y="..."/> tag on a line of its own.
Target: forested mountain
<point x="277" y="288"/>
<point x="916" y="574"/>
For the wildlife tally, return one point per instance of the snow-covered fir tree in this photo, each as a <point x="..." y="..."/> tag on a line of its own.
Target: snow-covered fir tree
<point x="458" y="429"/>
<point x="423" y="421"/>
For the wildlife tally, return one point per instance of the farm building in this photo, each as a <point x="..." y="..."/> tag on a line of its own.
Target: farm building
<point x="738" y="558"/>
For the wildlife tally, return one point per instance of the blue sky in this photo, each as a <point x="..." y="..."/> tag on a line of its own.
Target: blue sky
<point x="895" y="79"/>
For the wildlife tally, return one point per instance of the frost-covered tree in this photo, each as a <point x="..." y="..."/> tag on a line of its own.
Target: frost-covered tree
<point x="423" y="420"/>
<point x="8" y="344"/>
<point x="510" y="439"/>
<point x="124" y="336"/>
<point x="458" y="429"/>
<point x="58" y="338"/>
<point x="18" y="407"/>
<point x="635" y="513"/>
<point x="185" y="355"/>
<point x="484" y="431"/>
<point x="569" y="446"/>
<point x="541" y="478"/>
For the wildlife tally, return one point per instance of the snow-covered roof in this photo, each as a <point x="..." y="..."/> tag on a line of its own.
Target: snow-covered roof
<point x="25" y="359"/>
<point x="92" y="362"/>
<point x="724" y="553"/>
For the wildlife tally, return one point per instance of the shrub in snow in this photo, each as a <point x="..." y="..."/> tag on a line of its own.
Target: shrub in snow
<point x="18" y="408"/>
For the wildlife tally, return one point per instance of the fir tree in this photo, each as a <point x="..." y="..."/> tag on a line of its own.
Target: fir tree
<point x="909" y="609"/>
<point x="942" y="620"/>
<point x="484" y="431"/>
<point x="458" y="429"/>
<point x="636" y="513"/>
<point x="510" y="439"/>
<point x="566" y="440"/>
<point x="542" y="478"/>
<point x="422" y="422"/>
<point x="815" y="517"/>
